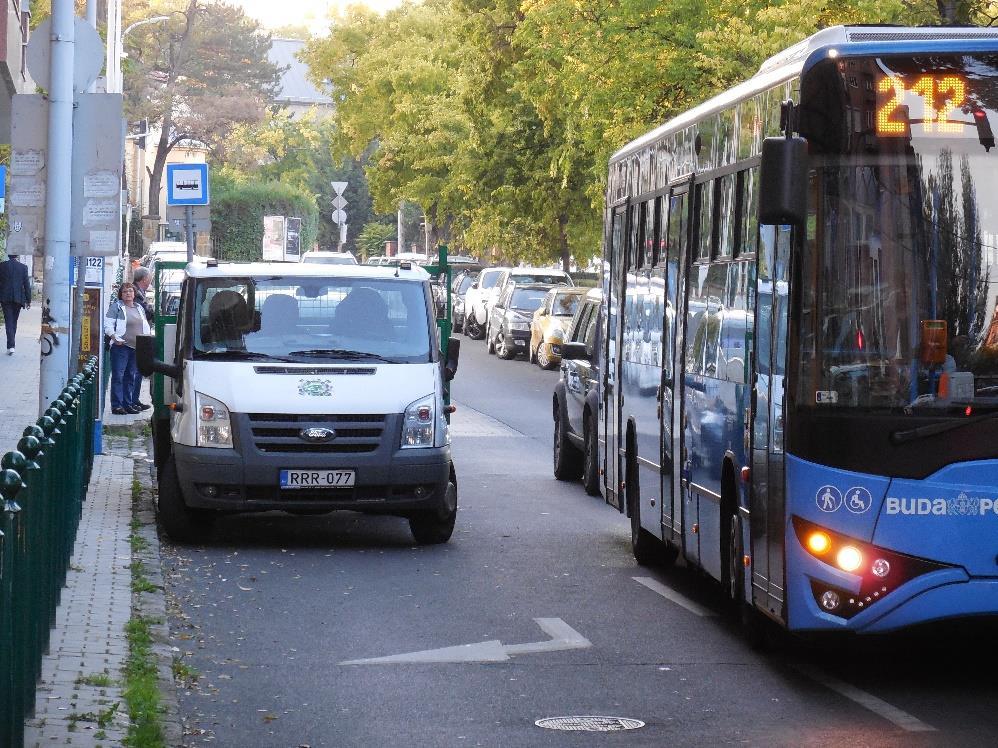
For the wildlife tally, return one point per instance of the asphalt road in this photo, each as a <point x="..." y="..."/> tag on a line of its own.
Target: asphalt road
<point x="267" y="613"/>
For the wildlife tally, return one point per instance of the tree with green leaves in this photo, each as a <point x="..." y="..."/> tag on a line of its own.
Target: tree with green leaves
<point x="195" y="75"/>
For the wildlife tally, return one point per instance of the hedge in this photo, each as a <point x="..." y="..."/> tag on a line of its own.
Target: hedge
<point x="237" y="218"/>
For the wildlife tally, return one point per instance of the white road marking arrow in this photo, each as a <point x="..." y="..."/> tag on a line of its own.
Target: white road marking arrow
<point x="562" y="636"/>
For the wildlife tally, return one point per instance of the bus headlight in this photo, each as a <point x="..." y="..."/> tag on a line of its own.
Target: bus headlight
<point x="214" y="428"/>
<point x="849" y="558"/>
<point x="418" y="423"/>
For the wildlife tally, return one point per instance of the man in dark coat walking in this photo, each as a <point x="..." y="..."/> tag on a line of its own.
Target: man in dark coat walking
<point x="15" y="294"/>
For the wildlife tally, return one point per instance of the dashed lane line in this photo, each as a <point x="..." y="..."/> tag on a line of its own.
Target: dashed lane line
<point x="670" y="594"/>
<point x="878" y="706"/>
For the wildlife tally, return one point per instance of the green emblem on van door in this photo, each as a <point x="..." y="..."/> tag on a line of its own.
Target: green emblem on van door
<point x="315" y="388"/>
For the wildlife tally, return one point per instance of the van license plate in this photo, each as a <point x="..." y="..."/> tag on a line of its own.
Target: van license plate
<point x="317" y="478"/>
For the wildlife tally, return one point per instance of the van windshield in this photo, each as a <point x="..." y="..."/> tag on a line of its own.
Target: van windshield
<point x="311" y="319"/>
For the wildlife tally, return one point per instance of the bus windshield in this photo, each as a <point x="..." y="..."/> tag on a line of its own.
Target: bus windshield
<point x="311" y="319"/>
<point x="900" y="268"/>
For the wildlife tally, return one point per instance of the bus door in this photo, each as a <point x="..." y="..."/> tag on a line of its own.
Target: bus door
<point x="674" y="221"/>
<point x="613" y="281"/>
<point x="768" y="501"/>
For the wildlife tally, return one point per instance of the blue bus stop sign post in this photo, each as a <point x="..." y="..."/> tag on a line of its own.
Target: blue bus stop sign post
<point x="3" y="188"/>
<point x="187" y="185"/>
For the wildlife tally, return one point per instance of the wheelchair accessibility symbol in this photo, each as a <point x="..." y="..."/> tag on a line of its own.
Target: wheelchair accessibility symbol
<point x="858" y="500"/>
<point x="828" y="498"/>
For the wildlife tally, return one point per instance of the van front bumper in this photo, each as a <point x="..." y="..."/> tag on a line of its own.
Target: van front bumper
<point x="407" y="482"/>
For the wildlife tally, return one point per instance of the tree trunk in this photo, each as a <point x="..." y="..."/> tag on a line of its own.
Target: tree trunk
<point x="159" y="165"/>
<point x="953" y="12"/>
<point x="566" y="255"/>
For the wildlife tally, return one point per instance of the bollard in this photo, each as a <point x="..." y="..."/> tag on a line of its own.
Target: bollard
<point x="10" y="673"/>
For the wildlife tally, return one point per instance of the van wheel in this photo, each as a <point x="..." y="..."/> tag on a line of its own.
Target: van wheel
<point x="471" y="327"/>
<point x="567" y="458"/>
<point x="182" y="524"/>
<point x="590" y="466"/>
<point x="436" y="526"/>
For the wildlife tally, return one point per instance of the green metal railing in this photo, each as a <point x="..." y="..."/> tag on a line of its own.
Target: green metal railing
<point x="42" y="488"/>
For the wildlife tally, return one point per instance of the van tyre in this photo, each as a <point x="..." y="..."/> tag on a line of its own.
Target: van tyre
<point x="472" y="328"/>
<point x="181" y="523"/>
<point x="436" y="526"/>
<point x="567" y="457"/>
<point x="590" y="464"/>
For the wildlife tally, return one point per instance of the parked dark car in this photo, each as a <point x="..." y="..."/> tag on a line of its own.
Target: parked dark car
<point x="576" y="399"/>
<point x="510" y="316"/>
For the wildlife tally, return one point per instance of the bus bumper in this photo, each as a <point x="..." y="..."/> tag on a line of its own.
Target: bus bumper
<point x="938" y="595"/>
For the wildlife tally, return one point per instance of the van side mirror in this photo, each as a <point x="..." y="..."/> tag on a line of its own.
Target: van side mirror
<point x="453" y="355"/>
<point x="145" y="358"/>
<point x="574" y="352"/>
<point x="783" y="182"/>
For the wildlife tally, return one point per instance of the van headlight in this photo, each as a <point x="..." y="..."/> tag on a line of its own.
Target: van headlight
<point x="418" y="423"/>
<point x="214" y="426"/>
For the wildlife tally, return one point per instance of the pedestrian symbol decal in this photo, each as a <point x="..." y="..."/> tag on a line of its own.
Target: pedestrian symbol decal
<point x="858" y="500"/>
<point x="829" y="498"/>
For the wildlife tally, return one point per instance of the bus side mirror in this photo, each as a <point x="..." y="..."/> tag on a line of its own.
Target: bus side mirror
<point x="453" y="355"/>
<point x="783" y="182"/>
<point x="145" y="358"/>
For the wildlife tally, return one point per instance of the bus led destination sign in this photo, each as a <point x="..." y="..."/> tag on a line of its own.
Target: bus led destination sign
<point x="936" y="101"/>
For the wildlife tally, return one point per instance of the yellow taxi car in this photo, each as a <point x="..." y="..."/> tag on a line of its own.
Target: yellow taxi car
<point x="550" y="324"/>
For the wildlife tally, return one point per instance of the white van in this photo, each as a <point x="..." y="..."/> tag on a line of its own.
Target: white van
<point x="304" y="388"/>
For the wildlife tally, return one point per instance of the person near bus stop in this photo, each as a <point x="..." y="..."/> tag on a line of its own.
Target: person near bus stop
<point x="15" y="294"/>
<point x="124" y="321"/>
<point x="142" y="279"/>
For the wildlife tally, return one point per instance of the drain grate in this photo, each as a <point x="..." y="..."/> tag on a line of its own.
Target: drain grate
<point x="590" y="723"/>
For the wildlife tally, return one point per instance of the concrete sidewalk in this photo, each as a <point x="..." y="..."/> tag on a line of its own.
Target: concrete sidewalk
<point x="19" y="374"/>
<point x="79" y="697"/>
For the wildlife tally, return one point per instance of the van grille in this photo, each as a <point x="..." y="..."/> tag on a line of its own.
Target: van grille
<point x="279" y="433"/>
<point x="315" y="370"/>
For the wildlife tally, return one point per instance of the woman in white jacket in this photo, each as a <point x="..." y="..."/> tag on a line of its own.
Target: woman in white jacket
<point x="123" y="322"/>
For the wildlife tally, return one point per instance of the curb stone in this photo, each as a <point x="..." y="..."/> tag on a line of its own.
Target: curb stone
<point x="152" y="605"/>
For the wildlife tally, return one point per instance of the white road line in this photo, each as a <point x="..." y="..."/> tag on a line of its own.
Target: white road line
<point x="669" y="594"/>
<point x="562" y="636"/>
<point x="867" y="700"/>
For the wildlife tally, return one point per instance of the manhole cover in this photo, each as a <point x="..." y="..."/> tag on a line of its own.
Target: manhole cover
<point x="590" y="724"/>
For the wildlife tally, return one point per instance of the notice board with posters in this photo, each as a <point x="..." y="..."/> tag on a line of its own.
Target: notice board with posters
<point x="91" y="327"/>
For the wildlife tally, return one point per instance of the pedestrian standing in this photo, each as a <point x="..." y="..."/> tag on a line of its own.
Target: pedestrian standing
<point x="142" y="279"/>
<point x="15" y="295"/>
<point x="124" y="321"/>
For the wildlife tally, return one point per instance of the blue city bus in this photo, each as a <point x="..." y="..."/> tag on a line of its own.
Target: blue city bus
<point x="799" y="389"/>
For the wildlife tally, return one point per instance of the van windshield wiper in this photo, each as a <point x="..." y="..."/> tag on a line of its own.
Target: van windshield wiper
<point x="237" y="355"/>
<point x="341" y="353"/>
<point x="907" y="435"/>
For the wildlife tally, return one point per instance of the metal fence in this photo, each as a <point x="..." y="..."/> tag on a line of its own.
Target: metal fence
<point x="42" y="488"/>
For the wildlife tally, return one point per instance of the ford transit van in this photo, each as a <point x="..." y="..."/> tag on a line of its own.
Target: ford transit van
<point x="304" y="388"/>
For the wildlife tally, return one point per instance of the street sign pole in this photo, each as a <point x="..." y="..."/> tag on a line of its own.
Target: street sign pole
<point x="189" y="231"/>
<point x="54" y="367"/>
<point x="187" y="186"/>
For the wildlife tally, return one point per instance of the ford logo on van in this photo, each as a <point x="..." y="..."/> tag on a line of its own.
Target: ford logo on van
<point x="317" y="435"/>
